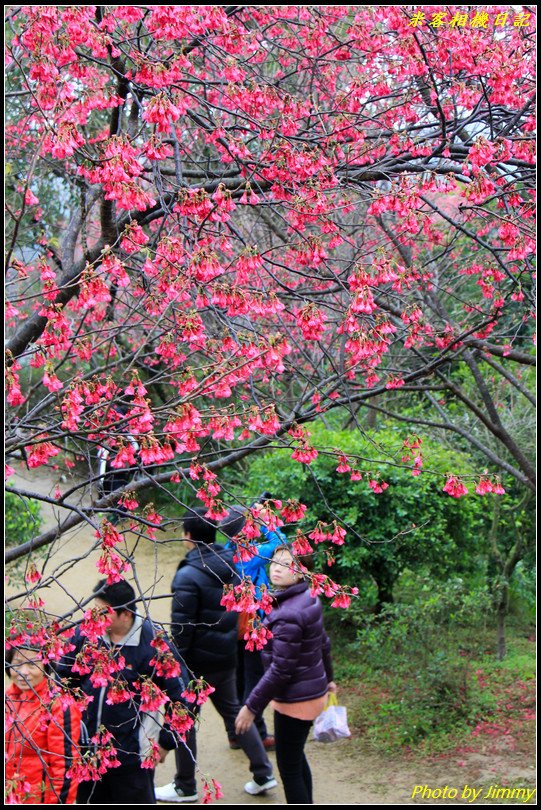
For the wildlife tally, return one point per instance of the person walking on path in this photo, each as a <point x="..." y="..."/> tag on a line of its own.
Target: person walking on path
<point x="41" y="735"/>
<point x="298" y="672"/>
<point x="112" y="473"/>
<point x="249" y="662"/>
<point x="205" y="635"/>
<point x="131" y="645"/>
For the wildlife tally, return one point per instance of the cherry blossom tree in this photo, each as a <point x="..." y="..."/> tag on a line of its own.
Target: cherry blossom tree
<point x="227" y="221"/>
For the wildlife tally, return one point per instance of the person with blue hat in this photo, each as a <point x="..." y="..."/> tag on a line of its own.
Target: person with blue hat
<point x="249" y="662"/>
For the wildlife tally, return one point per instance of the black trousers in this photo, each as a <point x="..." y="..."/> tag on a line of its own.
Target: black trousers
<point x="250" y="670"/>
<point x="113" y="479"/>
<point x="129" y="784"/>
<point x="291" y="735"/>
<point x="226" y="703"/>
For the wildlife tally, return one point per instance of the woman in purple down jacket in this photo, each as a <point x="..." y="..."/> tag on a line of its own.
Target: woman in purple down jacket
<point x="298" y="673"/>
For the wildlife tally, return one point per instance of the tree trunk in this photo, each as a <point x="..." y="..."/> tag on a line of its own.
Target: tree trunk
<point x="384" y="583"/>
<point x="371" y="420"/>
<point x="501" y="614"/>
<point x="505" y="567"/>
<point x="499" y="587"/>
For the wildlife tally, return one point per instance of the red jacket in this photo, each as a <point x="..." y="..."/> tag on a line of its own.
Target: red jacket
<point x="40" y="742"/>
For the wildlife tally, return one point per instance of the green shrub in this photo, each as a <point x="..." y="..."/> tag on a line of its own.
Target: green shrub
<point x="522" y="593"/>
<point x="411" y="524"/>
<point x="22" y="519"/>
<point x="416" y="663"/>
<point x="407" y="632"/>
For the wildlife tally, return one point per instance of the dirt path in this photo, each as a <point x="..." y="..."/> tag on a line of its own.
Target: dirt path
<point x="346" y="772"/>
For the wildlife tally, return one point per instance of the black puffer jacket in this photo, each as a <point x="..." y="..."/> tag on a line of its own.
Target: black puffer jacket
<point x="297" y="658"/>
<point x="205" y="634"/>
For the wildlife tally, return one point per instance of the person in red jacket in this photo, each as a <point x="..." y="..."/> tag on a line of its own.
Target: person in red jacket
<point x="41" y="735"/>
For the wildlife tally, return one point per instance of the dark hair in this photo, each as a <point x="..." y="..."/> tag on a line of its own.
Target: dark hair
<point x="123" y="405"/>
<point x="202" y="529"/>
<point x="10" y="655"/>
<point x="265" y="496"/>
<point x="233" y="522"/>
<point x="120" y="595"/>
<point x="306" y="560"/>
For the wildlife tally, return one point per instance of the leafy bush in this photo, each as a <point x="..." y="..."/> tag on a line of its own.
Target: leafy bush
<point x="442" y="699"/>
<point x="522" y="593"/>
<point x="411" y="524"/>
<point x="416" y="663"/>
<point x="415" y="629"/>
<point x="22" y="519"/>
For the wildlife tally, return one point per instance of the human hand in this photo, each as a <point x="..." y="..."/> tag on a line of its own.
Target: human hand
<point x="332" y="687"/>
<point x="163" y="753"/>
<point x="256" y="510"/>
<point x="244" y="720"/>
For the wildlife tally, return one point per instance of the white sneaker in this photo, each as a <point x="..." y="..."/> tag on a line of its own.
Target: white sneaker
<point x="170" y="793"/>
<point x="254" y="789"/>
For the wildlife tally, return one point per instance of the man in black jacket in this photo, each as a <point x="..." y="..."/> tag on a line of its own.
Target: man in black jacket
<point x="205" y="635"/>
<point x="127" y="647"/>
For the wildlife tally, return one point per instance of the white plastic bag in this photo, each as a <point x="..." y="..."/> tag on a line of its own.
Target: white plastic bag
<point x="332" y="723"/>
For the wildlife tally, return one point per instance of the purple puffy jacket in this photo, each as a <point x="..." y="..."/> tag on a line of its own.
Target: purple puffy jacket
<point x="297" y="658"/>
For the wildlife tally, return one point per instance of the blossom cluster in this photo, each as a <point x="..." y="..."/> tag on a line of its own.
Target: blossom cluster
<point x="198" y="691"/>
<point x="242" y="598"/>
